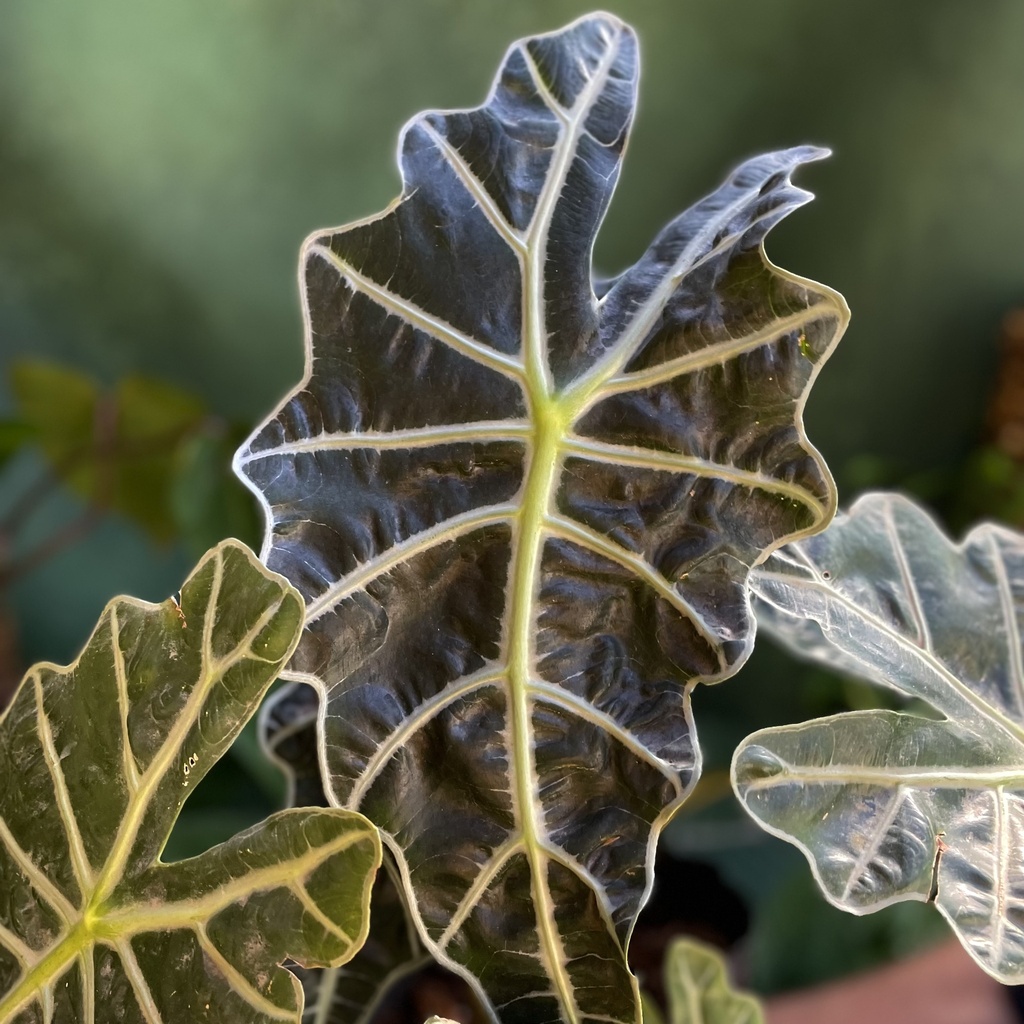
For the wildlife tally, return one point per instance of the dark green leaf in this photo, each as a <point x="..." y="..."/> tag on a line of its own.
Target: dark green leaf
<point x="59" y="404"/>
<point x="207" y="501"/>
<point x="96" y="761"/>
<point x="522" y="517"/>
<point x="117" y="451"/>
<point x="153" y="420"/>
<point x="14" y="435"/>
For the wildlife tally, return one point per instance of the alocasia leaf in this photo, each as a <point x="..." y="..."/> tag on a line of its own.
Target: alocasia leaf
<point x="96" y="761"/>
<point x="522" y="516"/>
<point x="697" y="989"/>
<point x="888" y="805"/>
<point x="350" y="993"/>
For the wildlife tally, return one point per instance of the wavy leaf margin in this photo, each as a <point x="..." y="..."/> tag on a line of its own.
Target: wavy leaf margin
<point x="92" y="923"/>
<point x="890" y="806"/>
<point x="393" y="512"/>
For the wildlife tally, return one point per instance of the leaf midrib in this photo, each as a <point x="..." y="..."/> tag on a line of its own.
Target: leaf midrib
<point x="530" y="534"/>
<point x="116" y="925"/>
<point x="551" y="420"/>
<point x="213" y="671"/>
<point x="954" y="777"/>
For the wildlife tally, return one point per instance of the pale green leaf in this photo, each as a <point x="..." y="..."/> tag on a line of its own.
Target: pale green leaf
<point x="522" y="514"/>
<point x="697" y="988"/>
<point x="886" y="805"/>
<point x="96" y="761"/>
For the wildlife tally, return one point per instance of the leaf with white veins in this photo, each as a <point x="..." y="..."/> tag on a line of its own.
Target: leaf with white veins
<point x="350" y="993"/>
<point x="890" y="806"/>
<point x="96" y="761"/>
<point x="522" y="516"/>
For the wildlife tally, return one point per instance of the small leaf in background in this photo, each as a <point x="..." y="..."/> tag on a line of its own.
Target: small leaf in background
<point x="697" y="988"/>
<point x="207" y="501"/>
<point x="145" y="449"/>
<point x="96" y="761"/>
<point x="153" y="420"/>
<point x="115" y="450"/>
<point x="799" y="941"/>
<point x="887" y="805"/>
<point x="14" y="435"/>
<point x="59" y="404"/>
<point x="522" y="516"/>
<point x="351" y="993"/>
<point x="991" y="487"/>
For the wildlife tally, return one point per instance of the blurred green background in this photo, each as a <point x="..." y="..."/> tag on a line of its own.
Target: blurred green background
<point x="160" y="164"/>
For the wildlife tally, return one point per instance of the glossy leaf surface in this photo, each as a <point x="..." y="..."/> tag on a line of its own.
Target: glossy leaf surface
<point x="96" y="761"/>
<point x="697" y="988"/>
<point x="888" y="805"/>
<point x="352" y="992"/>
<point x="522" y="516"/>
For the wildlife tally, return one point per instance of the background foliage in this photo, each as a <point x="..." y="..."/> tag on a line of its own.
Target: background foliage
<point x="159" y="165"/>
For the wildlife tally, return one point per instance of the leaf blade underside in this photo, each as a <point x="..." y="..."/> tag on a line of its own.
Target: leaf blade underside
<point x="886" y="805"/>
<point x="522" y="517"/>
<point x="93" y="926"/>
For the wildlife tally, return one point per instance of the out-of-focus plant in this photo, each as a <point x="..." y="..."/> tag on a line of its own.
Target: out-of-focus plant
<point x="143" y="449"/>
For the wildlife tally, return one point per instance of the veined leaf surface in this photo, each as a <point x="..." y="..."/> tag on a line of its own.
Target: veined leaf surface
<point x="887" y="805"/>
<point x="522" y="515"/>
<point x="697" y="989"/>
<point x="349" y="993"/>
<point x="96" y="761"/>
